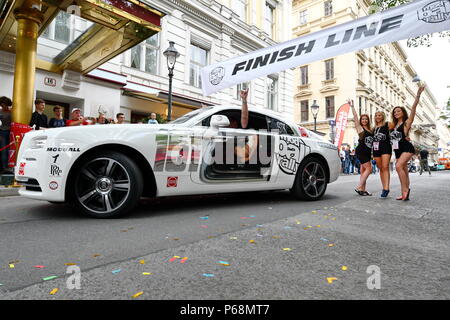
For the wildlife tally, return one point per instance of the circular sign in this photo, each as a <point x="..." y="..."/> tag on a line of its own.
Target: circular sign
<point x="53" y="185"/>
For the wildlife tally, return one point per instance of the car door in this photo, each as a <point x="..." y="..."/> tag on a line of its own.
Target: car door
<point x="236" y="159"/>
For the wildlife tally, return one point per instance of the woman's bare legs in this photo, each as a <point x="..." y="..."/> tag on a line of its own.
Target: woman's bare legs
<point x="366" y="170"/>
<point x="383" y="165"/>
<point x="402" y="169"/>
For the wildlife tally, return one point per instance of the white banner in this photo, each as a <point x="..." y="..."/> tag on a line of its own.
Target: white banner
<point x="402" y="22"/>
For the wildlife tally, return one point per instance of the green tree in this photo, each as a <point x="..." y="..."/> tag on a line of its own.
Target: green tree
<point x="424" y="40"/>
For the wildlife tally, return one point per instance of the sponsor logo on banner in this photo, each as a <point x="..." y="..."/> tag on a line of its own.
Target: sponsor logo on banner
<point x="435" y="12"/>
<point x="402" y="22"/>
<point x="290" y="152"/>
<point x="57" y="149"/>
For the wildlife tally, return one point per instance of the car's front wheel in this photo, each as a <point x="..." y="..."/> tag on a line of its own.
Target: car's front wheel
<point x="311" y="180"/>
<point x="107" y="186"/>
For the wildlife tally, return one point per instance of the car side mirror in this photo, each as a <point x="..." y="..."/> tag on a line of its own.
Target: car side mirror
<point x="218" y="121"/>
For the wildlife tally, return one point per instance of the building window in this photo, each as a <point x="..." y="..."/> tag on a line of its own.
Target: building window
<point x="239" y="88"/>
<point x="241" y="9"/>
<point x="304" y="108"/>
<point x="360" y="71"/>
<point x="304" y="75"/>
<point x="328" y="6"/>
<point x="144" y="56"/>
<point x="65" y="28"/>
<point x="329" y="105"/>
<point x="329" y="69"/>
<point x="269" y="19"/>
<point x="303" y="17"/>
<point x="272" y="89"/>
<point x="199" y="59"/>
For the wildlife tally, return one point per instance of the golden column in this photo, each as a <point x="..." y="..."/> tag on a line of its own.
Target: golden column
<point x="29" y="18"/>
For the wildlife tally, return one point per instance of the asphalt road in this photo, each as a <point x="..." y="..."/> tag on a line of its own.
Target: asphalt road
<point x="276" y="247"/>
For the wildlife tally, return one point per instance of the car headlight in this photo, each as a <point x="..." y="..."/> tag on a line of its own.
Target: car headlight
<point x="38" y="142"/>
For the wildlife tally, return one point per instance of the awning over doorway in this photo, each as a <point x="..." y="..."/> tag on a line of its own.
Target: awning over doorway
<point x="118" y="26"/>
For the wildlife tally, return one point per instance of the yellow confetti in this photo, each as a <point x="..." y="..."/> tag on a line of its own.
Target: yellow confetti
<point x="146" y="273"/>
<point x="344" y="268"/>
<point x="297" y="222"/>
<point x="314" y="212"/>
<point x="331" y="245"/>
<point x="142" y="261"/>
<point x="96" y="255"/>
<point x="252" y="241"/>
<point x="233" y="238"/>
<point x="287" y="249"/>
<point x="331" y="279"/>
<point x="276" y="237"/>
<point x="70" y="264"/>
<point x="333" y="219"/>
<point x="54" y="291"/>
<point x="11" y="266"/>
<point x="138" y="294"/>
<point x="318" y="226"/>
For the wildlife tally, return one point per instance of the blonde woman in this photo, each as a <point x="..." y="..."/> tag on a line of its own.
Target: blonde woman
<point x="403" y="148"/>
<point x="382" y="150"/>
<point x="364" y="149"/>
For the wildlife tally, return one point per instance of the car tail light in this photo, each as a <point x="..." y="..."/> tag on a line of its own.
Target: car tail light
<point x="303" y="132"/>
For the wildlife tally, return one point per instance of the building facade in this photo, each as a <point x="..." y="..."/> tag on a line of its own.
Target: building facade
<point x="377" y="78"/>
<point x="136" y="81"/>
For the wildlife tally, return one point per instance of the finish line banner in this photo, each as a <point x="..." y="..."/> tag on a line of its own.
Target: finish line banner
<point x="399" y="23"/>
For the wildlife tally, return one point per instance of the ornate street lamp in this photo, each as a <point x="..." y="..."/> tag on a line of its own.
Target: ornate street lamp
<point x="315" y="111"/>
<point x="171" y="54"/>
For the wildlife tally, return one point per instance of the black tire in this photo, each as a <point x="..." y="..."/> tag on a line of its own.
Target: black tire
<point x="311" y="180"/>
<point x="107" y="186"/>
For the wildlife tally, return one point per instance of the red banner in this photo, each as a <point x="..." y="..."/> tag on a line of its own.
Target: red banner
<point x="341" y="124"/>
<point x="17" y="129"/>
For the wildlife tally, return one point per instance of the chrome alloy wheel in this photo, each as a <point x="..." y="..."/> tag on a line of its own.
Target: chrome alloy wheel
<point x="102" y="186"/>
<point x="313" y="179"/>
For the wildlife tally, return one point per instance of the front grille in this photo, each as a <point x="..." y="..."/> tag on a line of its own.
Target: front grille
<point x="31" y="185"/>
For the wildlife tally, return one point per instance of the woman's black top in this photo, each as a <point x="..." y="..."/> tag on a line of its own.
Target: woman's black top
<point x="364" y="148"/>
<point x="382" y="141"/>
<point x="399" y="142"/>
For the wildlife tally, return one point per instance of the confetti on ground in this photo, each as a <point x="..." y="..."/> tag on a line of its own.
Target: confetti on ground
<point x="11" y="266"/>
<point x="137" y="294"/>
<point x="297" y="221"/>
<point x="174" y="258"/>
<point x="259" y="225"/>
<point x="276" y="237"/>
<point x="287" y="228"/>
<point x="331" y="245"/>
<point x="142" y="261"/>
<point x="203" y="226"/>
<point x="184" y="260"/>
<point x="287" y="249"/>
<point x="252" y="216"/>
<point x="333" y="219"/>
<point x="318" y="226"/>
<point x="49" y="278"/>
<point x="270" y="208"/>
<point x="211" y="237"/>
<point x="331" y="279"/>
<point x="54" y="291"/>
<point x="259" y="235"/>
<point x="224" y="263"/>
<point x="39" y="267"/>
<point x="176" y="239"/>
<point x="96" y="255"/>
<point x="323" y="239"/>
<point x="314" y="212"/>
<point x="116" y="271"/>
<point x="244" y="217"/>
<point x="70" y="264"/>
<point x="233" y="238"/>
<point x="344" y="268"/>
<point x="209" y="275"/>
<point x="244" y="225"/>
<point x="252" y="241"/>
<point x="146" y="273"/>
<point x="204" y="218"/>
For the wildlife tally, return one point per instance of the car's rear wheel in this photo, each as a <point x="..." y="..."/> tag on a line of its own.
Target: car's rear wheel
<point x="107" y="186"/>
<point x="311" y="180"/>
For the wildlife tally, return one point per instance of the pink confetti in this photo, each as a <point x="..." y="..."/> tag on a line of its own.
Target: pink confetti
<point x="203" y="226"/>
<point x="39" y="267"/>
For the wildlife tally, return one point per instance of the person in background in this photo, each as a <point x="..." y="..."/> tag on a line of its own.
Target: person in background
<point x="352" y="161"/>
<point x="38" y="118"/>
<point x="102" y="119"/>
<point x="424" y="161"/>
<point x="347" y="160"/>
<point x="5" y="118"/>
<point x="342" y="156"/>
<point x="76" y="119"/>
<point x="58" y="121"/>
<point x="152" y="119"/>
<point x="120" y="118"/>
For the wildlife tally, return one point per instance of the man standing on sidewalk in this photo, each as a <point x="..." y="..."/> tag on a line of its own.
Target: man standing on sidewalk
<point x="424" y="161"/>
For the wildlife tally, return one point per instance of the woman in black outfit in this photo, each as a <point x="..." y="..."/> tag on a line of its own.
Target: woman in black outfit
<point x="382" y="150"/>
<point x="404" y="150"/>
<point x="364" y="149"/>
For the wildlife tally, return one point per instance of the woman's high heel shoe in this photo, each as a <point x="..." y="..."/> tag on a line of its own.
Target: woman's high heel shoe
<point x="407" y="195"/>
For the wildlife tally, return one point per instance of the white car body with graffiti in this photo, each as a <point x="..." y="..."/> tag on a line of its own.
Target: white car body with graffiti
<point x="105" y="169"/>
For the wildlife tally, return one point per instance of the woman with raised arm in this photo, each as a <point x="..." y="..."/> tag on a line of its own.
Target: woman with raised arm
<point x="382" y="150"/>
<point x="364" y="149"/>
<point x="403" y="148"/>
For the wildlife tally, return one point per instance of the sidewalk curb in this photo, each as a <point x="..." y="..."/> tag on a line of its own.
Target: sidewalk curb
<point x="8" y="192"/>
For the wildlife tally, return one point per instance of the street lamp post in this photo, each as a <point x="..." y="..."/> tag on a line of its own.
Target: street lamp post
<point x="315" y="111"/>
<point x="171" y="54"/>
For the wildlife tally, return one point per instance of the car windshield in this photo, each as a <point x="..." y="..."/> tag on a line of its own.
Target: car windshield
<point x="190" y="115"/>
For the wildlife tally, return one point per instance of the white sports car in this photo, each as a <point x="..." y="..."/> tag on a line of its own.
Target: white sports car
<point x="104" y="170"/>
